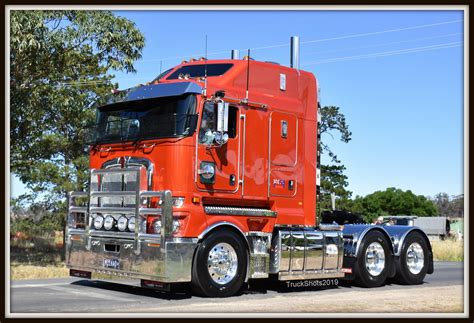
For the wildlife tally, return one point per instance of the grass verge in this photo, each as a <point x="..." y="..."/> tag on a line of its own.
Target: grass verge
<point x="25" y="271"/>
<point x="448" y="250"/>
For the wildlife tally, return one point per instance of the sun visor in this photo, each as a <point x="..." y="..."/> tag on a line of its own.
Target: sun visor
<point x="152" y="91"/>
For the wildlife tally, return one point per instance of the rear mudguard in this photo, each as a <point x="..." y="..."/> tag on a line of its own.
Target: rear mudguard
<point x="353" y="234"/>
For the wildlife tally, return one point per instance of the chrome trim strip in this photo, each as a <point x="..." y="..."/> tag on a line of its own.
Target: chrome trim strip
<point x="225" y="210"/>
<point x="76" y="231"/>
<point x="78" y="209"/>
<point x="244" y="138"/>
<point x="111" y="234"/>
<point x="78" y="194"/>
<point x="144" y="210"/>
<point x="309" y="275"/>
<point x="151" y="193"/>
<point x="269" y="153"/>
<point x="114" y="210"/>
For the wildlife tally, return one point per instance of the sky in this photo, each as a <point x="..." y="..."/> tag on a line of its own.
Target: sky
<point x="397" y="76"/>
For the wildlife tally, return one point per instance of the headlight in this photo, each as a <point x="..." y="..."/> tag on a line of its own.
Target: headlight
<point x="109" y="222"/>
<point x="131" y="224"/>
<point x="156" y="226"/>
<point x="98" y="222"/>
<point x="207" y="172"/>
<point x="176" y="225"/>
<point x="178" y="201"/>
<point x="122" y="223"/>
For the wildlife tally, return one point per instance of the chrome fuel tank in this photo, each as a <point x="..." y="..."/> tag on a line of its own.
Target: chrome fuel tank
<point x="306" y="253"/>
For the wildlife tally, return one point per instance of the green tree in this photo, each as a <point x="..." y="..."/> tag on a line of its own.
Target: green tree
<point x="60" y="64"/>
<point x="393" y="201"/>
<point x="333" y="179"/>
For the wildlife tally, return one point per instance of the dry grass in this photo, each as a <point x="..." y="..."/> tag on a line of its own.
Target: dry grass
<point x="448" y="250"/>
<point x="21" y="272"/>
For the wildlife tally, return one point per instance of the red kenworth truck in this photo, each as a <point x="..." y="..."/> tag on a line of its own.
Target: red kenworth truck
<point x="208" y="175"/>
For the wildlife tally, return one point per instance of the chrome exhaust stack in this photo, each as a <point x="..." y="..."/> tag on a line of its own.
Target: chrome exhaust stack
<point x="295" y="52"/>
<point x="234" y="54"/>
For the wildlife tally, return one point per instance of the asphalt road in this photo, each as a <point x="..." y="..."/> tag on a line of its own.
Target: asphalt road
<point x="75" y="295"/>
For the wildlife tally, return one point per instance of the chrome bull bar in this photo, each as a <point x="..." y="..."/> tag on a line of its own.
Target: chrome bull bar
<point x="159" y="256"/>
<point x="165" y="210"/>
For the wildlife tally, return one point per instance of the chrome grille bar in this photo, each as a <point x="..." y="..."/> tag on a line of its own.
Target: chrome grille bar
<point x="151" y="211"/>
<point x="113" y="210"/>
<point x="114" y="171"/>
<point x="112" y="193"/>
<point x="77" y="209"/>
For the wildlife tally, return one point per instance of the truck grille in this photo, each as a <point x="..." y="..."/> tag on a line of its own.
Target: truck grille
<point x="118" y="195"/>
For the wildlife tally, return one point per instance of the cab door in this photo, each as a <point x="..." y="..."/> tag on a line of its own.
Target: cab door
<point x="224" y="159"/>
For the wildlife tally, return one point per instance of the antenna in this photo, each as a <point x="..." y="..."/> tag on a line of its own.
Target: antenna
<point x="161" y="64"/>
<point x="204" y="92"/>
<point x="248" y="74"/>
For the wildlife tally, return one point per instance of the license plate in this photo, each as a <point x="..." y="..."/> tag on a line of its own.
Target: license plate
<point x="112" y="263"/>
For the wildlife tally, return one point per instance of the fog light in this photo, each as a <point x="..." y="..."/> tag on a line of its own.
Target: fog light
<point x="156" y="225"/>
<point x="109" y="222"/>
<point x="176" y="226"/>
<point x="98" y="222"/>
<point x="122" y="223"/>
<point x="131" y="224"/>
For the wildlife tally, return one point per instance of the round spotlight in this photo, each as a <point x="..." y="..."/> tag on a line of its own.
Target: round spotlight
<point x="157" y="226"/>
<point x="176" y="226"/>
<point x="98" y="222"/>
<point x="122" y="223"/>
<point x="109" y="222"/>
<point x="131" y="224"/>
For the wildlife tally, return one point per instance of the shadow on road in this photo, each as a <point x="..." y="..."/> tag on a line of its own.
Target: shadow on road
<point x="179" y="292"/>
<point x="183" y="291"/>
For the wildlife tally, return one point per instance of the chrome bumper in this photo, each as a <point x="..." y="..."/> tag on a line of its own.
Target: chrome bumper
<point x="171" y="262"/>
<point x="159" y="257"/>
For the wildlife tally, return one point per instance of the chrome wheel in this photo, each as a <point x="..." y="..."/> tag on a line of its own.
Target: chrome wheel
<point x="222" y="263"/>
<point x="375" y="259"/>
<point x="415" y="258"/>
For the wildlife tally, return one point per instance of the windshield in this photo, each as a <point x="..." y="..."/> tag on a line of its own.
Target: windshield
<point x="165" y="117"/>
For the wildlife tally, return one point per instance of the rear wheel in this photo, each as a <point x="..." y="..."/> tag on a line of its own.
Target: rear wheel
<point x="374" y="260"/>
<point x="414" y="259"/>
<point x="220" y="265"/>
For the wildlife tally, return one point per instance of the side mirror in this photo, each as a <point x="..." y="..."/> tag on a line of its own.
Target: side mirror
<point x="222" y="122"/>
<point x="222" y="116"/>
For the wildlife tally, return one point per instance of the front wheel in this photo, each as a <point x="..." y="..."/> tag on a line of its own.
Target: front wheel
<point x="219" y="265"/>
<point x="374" y="260"/>
<point x="414" y="260"/>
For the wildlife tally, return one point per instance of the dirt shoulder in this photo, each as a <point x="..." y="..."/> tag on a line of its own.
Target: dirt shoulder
<point x="416" y="299"/>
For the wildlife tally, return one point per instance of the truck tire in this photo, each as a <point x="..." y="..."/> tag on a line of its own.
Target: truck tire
<point x="219" y="265"/>
<point x="374" y="260"/>
<point x="414" y="260"/>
